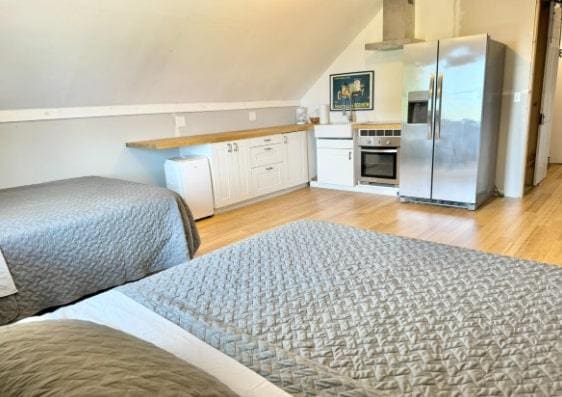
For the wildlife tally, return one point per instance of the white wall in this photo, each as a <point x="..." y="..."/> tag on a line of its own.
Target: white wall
<point x="69" y="53"/>
<point x="40" y="151"/>
<point x="556" y="141"/>
<point x="512" y="23"/>
<point x="437" y="19"/>
<point x="83" y="53"/>
<point x="78" y="58"/>
<point x="388" y="76"/>
<point x="508" y="21"/>
<point x="434" y="19"/>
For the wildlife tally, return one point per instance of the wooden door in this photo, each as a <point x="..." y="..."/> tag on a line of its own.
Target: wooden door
<point x="548" y="93"/>
<point x="542" y="17"/>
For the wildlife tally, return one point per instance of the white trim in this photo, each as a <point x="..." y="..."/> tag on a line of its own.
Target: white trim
<point x="370" y="189"/>
<point x="16" y="115"/>
<point x="245" y="203"/>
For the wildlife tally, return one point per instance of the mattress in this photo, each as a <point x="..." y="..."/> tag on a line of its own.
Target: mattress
<point x="324" y="309"/>
<point x="68" y="239"/>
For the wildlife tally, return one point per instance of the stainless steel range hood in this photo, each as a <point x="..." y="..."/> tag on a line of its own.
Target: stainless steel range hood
<point x="398" y="26"/>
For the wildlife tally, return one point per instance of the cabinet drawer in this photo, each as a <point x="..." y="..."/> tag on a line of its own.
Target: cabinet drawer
<point x="267" y="179"/>
<point x="266" y="140"/>
<point x="265" y="155"/>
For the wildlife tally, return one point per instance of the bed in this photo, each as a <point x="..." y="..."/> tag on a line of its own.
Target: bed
<point x="61" y="241"/>
<point x="314" y="308"/>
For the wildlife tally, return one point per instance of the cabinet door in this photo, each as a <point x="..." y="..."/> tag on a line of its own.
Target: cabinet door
<point x="296" y="158"/>
<point x="335" y="166"/>
<point x="268" y="179"/>
<point x="223" y="177"/>
<point x="240" y="169"/>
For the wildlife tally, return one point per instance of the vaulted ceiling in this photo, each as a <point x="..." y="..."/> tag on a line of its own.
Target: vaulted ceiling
<point x="63" y="53"/>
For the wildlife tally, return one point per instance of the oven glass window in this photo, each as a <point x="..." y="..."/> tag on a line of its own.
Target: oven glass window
<point x="378" y="165"/>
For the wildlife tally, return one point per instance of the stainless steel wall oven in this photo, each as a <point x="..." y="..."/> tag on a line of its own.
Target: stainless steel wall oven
<point x="379" y="157"/>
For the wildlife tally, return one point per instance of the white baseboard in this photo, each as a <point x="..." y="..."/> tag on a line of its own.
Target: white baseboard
<point x="370" y="189"/>
<point x="258" y="199"/>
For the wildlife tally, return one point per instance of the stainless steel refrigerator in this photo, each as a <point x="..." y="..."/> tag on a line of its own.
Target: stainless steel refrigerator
<point x="451" y="109"/>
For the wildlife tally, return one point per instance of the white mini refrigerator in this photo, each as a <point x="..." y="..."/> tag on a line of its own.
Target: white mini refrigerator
<point x="190" y="177"/>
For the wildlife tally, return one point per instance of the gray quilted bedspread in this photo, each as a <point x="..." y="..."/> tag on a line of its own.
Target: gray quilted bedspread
<point x="67" y="239"/>
<point x="324" y="309"/>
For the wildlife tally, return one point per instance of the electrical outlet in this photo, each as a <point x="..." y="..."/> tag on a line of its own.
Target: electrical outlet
<point x="252" y="116"/>
<point x="179" y="122"/>
<point x="517" y="97"/>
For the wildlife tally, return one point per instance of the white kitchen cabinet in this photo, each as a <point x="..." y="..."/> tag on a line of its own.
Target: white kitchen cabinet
<point x="268" y="179"/>
<point x="249" y="168"/>
<point x="229" y="168"/>
<point x="296" y="157"/>
<point x="334" y="131"/>
<point x="278" y="162"/>
<point x="335" y="162"/>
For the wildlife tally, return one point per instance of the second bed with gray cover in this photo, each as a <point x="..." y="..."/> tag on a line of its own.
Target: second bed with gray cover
<point x="324" y="309"/>
<point x="64" y="240"/>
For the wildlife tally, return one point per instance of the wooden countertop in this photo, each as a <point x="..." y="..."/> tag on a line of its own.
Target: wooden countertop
<point x="176" y="142"/>
<point x="377" y="126"/>
<point x="171" y="143"/>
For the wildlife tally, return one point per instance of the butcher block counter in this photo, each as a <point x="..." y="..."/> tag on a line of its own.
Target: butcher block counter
<point x="181" y="141"/>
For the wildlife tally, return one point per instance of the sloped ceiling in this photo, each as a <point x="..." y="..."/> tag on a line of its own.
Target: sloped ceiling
<point x="66" y="53"/>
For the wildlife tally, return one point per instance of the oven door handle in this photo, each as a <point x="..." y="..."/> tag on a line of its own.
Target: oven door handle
<point x="380" y="151"/>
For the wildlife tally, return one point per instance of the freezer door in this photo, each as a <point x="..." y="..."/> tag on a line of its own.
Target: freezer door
<point x="458" y="117"/>
<point x="418" y="100"/>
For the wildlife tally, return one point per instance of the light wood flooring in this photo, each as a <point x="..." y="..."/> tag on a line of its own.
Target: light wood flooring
<point x="528" y="228"/>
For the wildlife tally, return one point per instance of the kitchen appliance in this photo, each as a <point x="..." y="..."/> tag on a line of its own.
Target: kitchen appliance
<point x="451" y="107"/>
<point x="302" y="115"/>
<point x="398" y="25"/>
<point x="190" y="177"/>
<point x="379" y="157"/>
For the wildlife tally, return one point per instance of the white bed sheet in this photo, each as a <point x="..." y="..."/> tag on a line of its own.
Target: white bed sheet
<point x="7" y="286"/>
<point x="118" y="311"/>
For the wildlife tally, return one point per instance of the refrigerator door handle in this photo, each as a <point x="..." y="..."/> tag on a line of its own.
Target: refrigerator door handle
<point x="439" y="101"/>
<point x="430" y="108"/>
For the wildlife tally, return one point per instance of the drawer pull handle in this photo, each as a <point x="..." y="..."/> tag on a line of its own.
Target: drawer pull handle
<point x="269" y="168"/>
<point x="235" y="147"/>
<point x="229" y="145"/>
<point x="267" y="140"/>
<point x="267" y="149"/>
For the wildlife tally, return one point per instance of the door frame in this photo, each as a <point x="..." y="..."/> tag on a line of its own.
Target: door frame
<point x="540" y="45"/>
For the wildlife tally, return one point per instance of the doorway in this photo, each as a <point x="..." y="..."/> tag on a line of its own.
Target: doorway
<point x="548" y="24"/>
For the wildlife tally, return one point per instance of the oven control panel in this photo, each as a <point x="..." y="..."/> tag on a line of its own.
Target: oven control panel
<point x="384" y="138"/>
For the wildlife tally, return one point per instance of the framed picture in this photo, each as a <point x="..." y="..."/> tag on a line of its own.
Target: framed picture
<point x="355" y="88"/>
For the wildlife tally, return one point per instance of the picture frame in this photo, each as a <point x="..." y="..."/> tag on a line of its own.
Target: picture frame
<point x="359" y="85"/>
